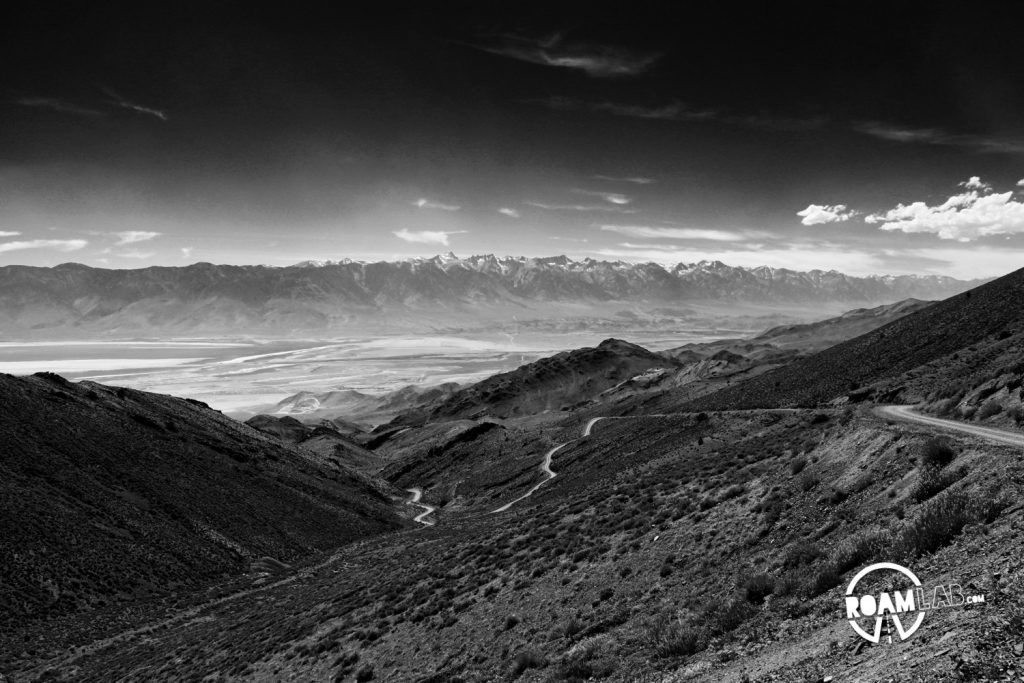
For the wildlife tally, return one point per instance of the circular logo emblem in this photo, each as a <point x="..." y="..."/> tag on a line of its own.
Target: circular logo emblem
<point x="861" y="606"/>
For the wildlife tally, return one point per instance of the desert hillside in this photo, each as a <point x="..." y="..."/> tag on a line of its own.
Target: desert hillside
<point x="112" y="496"/>
<point x="639" y="539"/>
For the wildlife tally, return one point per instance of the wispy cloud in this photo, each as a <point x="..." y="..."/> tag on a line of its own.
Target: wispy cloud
<point x="597" y="61"/>
<point x="55" y="104"/>
<point x="120" y="101"/>
<point x="135" y="254"/>
<point x="9" y="233"/>
<point x="978" y="212"/>
<point x="426" y="236"/>
<point x="58" y="245"/>
<point x="655" y="232"/>
<point x="610" y="197"/>
<point x="133" y="236"/>
<point x="511" y="213"/>
<point x="424" y="203"/>
<point x="679" y="111"/>
<point x="938" y="136"/>
<point x="818" y="214"/>
<point x="673" y="111"/>
<point x="580" y="207"/>
<point x="186" y="252"/>
<point x="636" y="180"/>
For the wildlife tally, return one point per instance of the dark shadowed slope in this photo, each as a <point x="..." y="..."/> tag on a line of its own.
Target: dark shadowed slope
<point x="991" y="311"/>
<point x="108" y="495"/>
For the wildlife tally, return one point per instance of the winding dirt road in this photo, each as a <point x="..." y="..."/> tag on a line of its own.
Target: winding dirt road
<point x="545" y="467"/>
<point x="417" y="493"/>
<point x="550" y="474"/>
<point x="907" y="414"/>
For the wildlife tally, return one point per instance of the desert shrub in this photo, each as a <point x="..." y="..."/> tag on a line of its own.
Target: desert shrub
<point x="836" y="496"/>
<point x="772" y="512"/>
<point x="988" y="409"/>
<point x="758" y="587"/>
<point x="732" y="492"/>
<point x="944" y="517"/>
<point x="933" y="481"/>
<point x="665" y="571"/>
<point x="572" y="627"/>
<point x="670" y="636"/>
<point x="511" y="621"/>
<point x="862" y="482"/>
<point x="589" y="660"/>
<point x="808" y="482"/>
<point x="787" y="584"/>
<point x="364" y="674"/>
<point x="967" y="412"/>
<point x="729" y="618"/>
<point x="860" y="549"/>
<point x="797" y="466"/>
<point x="944" y="406"/>
<point x="801" y="553"/>
<point x="985" y="392"/>
<point x="527" y="659"/>
<point x="824" y="579"/>
<point x="1016" y="413"/>
<point x="936" y="452"/>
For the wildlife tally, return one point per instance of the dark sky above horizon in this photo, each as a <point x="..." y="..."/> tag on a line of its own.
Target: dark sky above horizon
<point x="864" y="137"/>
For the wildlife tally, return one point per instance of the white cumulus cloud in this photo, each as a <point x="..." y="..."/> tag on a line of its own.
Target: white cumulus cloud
<point x="817" y="214"/>
<point x="426" y="236"/>
<point x="979" y="212"/>
<point x="9" y="233"/>
<point x="975" y="183"/>
<point x="511" y="213"/>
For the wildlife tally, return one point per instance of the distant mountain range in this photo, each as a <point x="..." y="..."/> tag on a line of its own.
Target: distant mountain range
<point x="422" y="293"/>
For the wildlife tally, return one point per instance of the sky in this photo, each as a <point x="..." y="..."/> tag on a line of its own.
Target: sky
<point x="862" y="137"/>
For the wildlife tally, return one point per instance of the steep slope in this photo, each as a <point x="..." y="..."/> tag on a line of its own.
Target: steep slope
<point x="553" y="383"/>
<point x="110" y="495"/>
<point x="989" y="313"/>
<point x="667" y="548"/>
<point x="820" y="335"/>
<point x="429" y="293"/>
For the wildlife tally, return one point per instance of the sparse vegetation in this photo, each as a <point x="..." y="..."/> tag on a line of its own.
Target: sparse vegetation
<point x="936" y="452"/>
<point x="527" y="659"/>
<point x="758" y="587"/>
<point x="989" y="409"/>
